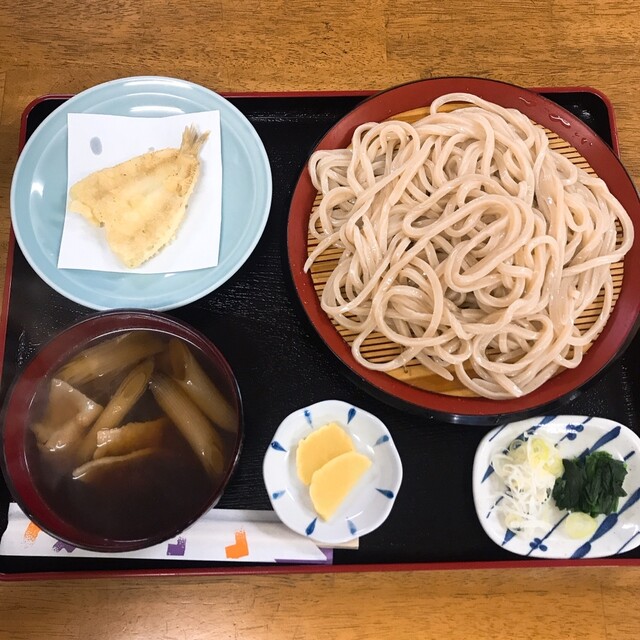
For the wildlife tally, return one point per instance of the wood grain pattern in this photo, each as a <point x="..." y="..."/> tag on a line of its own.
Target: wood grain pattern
<point x="64" y="46"/>
<point x="474" y="605"/>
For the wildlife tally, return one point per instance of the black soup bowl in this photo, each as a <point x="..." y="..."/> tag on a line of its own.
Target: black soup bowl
<point x="121" y="431"/>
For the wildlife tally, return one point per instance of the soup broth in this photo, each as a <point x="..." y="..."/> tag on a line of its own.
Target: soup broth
<point x="132" y="435"/>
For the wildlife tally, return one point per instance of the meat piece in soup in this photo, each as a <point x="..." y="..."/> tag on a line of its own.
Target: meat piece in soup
<point x="93" y="470"/>
<point x="63" y="426"/>
<point x="68" y="416"/>
<point x="131" y="437"/>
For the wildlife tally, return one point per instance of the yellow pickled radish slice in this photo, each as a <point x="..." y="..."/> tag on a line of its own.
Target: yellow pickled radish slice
<point x="319" y="447"/>
<point x="333" y="482"/>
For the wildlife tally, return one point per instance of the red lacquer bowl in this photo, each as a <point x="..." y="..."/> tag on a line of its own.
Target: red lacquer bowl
<point x="19" y="460"/>
<point x="621" y="326"/>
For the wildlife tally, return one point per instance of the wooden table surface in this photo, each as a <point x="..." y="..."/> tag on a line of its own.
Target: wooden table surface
<point x="64" y="46"/>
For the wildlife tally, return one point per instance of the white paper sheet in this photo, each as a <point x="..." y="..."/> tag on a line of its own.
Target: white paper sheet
<point x="230" y="535"/>
<point x="99" y="141"/>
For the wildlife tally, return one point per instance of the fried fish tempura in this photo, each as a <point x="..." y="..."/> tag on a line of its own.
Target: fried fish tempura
<point x="141" y="202"/>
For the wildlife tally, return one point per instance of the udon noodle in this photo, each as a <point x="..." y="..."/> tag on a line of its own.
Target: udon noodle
<point x="470" y="243"/>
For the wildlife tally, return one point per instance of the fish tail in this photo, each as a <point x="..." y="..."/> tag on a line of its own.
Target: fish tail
<point x="192" y="141"/>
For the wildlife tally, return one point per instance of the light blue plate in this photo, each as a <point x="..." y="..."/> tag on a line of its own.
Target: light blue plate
<point x="38" y="195"/>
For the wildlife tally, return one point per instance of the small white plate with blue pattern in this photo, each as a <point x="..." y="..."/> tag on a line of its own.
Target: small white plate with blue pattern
<point x="368" y="504"/>
<point x="573" y="436"/>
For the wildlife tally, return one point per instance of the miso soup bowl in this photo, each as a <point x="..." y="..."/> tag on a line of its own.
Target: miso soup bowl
<point x="20" y="451"/>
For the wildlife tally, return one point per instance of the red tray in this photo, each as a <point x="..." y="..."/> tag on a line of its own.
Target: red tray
<point x="238" y="317"/>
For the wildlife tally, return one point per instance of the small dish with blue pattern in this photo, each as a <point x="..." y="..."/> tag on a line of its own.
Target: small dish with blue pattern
<point x="368" y="504"/>
<point x="574" y="437"/>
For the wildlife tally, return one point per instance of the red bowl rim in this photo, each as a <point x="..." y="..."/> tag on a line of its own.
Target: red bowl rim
<point x="15" y="464"/>
<point x="622" y="324"/>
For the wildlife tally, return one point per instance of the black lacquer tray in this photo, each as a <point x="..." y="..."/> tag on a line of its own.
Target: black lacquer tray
<point x="283" y="365"/>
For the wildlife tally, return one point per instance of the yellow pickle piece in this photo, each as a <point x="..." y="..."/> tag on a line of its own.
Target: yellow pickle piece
<point x="333" y="482"/>
<point x="319" y="447"/>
